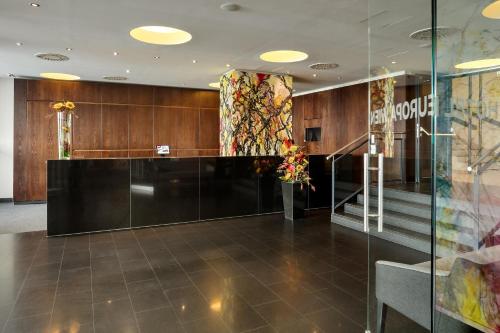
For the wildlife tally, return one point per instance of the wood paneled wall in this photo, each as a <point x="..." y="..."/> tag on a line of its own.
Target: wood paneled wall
<point x="340" y="113"/>
<point x="113" y="120"/>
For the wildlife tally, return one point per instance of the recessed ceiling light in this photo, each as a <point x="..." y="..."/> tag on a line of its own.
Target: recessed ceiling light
<point x="284" y="56"/>
<point x="34" y="4"/>
<point x="69" y="49"/>
<point x="60" y="76"/>
<point x="477" y="64"/>
<point x="339" y="77"/>
<point x="228" y="65"/>
<point x="214" y="85"/>
<point x="156" y="57"/>
<point x="393" y="62"/>
<point x="160" y="35"/>
<point x="194" y="61"/>
<point x="127" y="71"/>
<point x="115" y="53"/>
<point x="315" y="75"/>
<point x="492" y="11"/>
<point x="19" y="44"/>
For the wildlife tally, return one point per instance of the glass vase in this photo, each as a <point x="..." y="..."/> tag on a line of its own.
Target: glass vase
<point x="64" y="135"/>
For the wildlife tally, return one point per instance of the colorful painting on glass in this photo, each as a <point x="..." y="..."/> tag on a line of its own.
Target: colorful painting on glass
<point x="255" y="113"/>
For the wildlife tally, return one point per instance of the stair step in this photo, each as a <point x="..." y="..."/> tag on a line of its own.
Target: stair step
<point x="401" y="206"/>
<point x="412" y="223"/>
<point x="392" y="234"/>
<point x="393" y="193"/>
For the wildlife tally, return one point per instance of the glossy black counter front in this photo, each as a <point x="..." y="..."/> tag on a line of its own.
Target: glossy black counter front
<point x="97" y="195"/>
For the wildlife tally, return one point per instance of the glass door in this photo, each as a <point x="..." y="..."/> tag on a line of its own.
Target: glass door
<point x="397" y="190"/>
<point x="467" y="166"/>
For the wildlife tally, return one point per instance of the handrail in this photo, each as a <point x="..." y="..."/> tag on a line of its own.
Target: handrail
<point x="483" y="157"/>
<point x="347" y="145"/>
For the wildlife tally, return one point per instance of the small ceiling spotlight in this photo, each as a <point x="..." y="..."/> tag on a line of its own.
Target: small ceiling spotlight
<point x="394" y="62"/>
<point x="69" y="49"/>
<point x="194" y="61"/>
<point x="156" y="57"/>
<point x="228" y="65"/>
<point x="339" y="77"/>
<point x="34" y="4"/>
<point x="115" y="53"/>
<point x="315" y="75"/>
<point x="127" y="71"/>
<point x="19" y="44"/>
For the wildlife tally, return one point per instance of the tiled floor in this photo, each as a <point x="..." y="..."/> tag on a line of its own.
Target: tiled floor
<point x="254" y="274"/>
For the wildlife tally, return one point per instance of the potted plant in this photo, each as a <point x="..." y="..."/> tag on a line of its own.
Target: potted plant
<point x="293" y="174"/>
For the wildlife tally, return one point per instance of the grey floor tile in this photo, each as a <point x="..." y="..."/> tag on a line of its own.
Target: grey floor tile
<point x="147" y="295"/>
<point x="330" y="320"/>
<point x="206" y="325"/>
<point x="72" y="310"/>
<point x="114" y="316"/>
<point x="161" y="320"/>
<point x="33" y="324"/>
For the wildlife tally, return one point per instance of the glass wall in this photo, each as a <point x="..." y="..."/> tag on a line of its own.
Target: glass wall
<point x="467" y="166"/>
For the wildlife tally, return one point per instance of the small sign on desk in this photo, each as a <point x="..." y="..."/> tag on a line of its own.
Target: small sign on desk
<point x="163" y="150"/>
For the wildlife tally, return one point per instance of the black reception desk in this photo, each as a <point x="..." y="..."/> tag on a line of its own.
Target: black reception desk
<point x="109" y="194"/>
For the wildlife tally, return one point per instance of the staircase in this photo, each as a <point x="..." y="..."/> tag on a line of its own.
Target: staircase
<point x="407" y="218"/>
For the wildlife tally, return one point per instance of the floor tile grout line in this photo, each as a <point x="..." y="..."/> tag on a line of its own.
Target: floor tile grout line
<point x="57" y="283"/>
<point x="125" y="282"/>
<point x="156" y="276"/>
<point x="194" y="284"/>
<point x="22" y="286"/>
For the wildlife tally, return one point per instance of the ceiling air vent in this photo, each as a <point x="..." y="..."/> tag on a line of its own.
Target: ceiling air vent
<point x="52" y="56"/>
<point x="426" y="34"/>
<point x="323" y="66"/>
<point x="115" y="78"/>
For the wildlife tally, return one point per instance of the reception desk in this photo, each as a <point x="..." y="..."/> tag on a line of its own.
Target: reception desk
<point x="109" y="194"/>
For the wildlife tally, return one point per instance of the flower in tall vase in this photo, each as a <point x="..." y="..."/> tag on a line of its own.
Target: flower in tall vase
<point x="65" y="111"/>
<point x="294" y="174"/>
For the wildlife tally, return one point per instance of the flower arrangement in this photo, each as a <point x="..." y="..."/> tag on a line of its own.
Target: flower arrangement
<point x="64" y="110"/>
<point x="293" y="169"/>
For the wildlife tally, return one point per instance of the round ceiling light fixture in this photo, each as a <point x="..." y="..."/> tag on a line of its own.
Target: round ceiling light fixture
<point x="115" y="78"/>
<point x="160" y="35"/>
<point x="214" y="85"/>
<point x="52" y="56"/>
<point x="60" y="76"/>
<point x="479" y="64"/>
<point x="284" y="56"/>
<point x="323" y="66"/>
<point x="492" y="11"/>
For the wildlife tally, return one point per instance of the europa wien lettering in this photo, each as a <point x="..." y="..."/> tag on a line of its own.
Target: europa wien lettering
<point x="404" y="110"/>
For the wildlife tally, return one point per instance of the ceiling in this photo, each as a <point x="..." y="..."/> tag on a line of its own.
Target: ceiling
<point x="328" y="30"/>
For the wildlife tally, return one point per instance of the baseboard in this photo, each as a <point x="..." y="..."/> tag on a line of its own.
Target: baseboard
<point x="35" y="202"/>
<point x="6" y="199"/>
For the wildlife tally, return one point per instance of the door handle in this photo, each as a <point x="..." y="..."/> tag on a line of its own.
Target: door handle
<point x="380" y="192"/>
<point x="366" y="193"/>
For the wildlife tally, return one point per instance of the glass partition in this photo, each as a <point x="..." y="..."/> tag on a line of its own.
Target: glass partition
<point x="467" y="166"/>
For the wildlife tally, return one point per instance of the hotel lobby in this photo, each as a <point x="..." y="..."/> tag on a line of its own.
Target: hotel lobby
<point x="250" y="166"/>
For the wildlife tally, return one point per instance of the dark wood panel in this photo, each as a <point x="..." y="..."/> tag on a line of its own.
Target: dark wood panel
<point x="298" y="120"/>
<point x="21" y="141"/>
<point x="328" y="123"/>
<point x="114" y="93"/>
<point x="88" y="92"/>
<point x="189" y="120"/>
<point x="208" y="137"/>
<point x="42" y="146"/>
<point x="169" y="96"/>
<point x="82" y="154"/>
<point x="114" y="154"/>
<point x="87" y="127"/>
<point x="309" y="111"/>
<point x="320" y="104"/>
<point x="208" y="152"/>
<point x="165" y="122"/>
<point x="141" y="127"/>
<point x="209" y="99"/>
<point x="141" y="95"/>
<point x="140" y="153"/>
<point x="49" y="90"/>
<point x="114" y="126"/>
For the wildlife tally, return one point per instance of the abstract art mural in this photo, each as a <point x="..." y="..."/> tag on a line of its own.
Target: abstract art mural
<point x="255" y="113"/>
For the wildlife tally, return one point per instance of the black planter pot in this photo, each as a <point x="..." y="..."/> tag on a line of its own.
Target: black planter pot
<point x="294" y="200"/>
